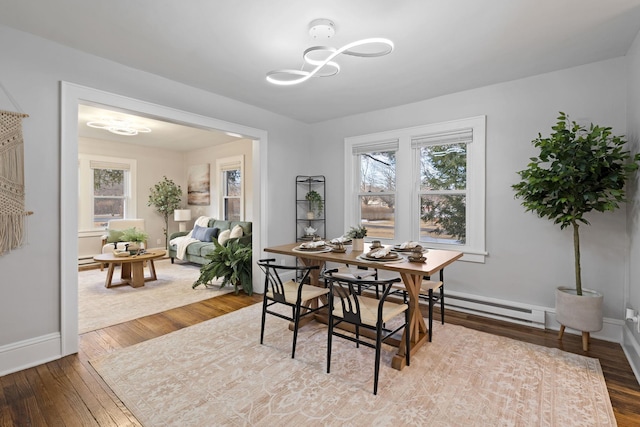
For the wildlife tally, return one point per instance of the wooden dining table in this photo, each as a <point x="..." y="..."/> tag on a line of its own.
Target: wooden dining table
<point x="412" y="274"/>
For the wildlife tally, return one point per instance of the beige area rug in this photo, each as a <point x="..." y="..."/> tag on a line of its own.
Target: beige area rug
<point x="217" y="374"/>
<point x="99" y="307"/>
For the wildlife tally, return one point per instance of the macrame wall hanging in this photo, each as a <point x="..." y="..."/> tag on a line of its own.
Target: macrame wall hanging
<point x="12" y="211"/>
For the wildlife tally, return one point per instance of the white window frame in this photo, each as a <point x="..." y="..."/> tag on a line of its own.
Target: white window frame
<point x="372" y="147"/>
<point x="407" y="213"/>
<point x="85" y="189"/>
<point x="225" y="164"/>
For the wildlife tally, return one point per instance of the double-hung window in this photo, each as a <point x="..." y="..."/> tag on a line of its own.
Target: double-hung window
<point x="106" y="188"/>
<point x="231" y="188"/>
<point x="424" y="184"/>
<point x="377" y="187"/>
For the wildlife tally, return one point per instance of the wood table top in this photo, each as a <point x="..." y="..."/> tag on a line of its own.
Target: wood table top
<point x="110" y="257"/>
<point x="437" y="259"/>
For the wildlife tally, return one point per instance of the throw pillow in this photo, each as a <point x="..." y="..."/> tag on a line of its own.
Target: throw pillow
<point x="204" y="234"/>
<point x="114" y="236"/>
<point x="224" y="236"/>
<point x="236" y="232"/>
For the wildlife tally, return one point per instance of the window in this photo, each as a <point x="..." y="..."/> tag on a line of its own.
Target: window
<point x="106" y="191"/>
<point x="231" y="188"/>
<point x="231" y="180"/>
<point x="442" y="186"/>
<point x="424" y="184"/>
<point x="109" y="195"/>
<point x="377" y="187"/>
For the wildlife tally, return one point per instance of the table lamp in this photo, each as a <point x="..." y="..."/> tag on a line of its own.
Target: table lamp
<point x="181" y="216"/>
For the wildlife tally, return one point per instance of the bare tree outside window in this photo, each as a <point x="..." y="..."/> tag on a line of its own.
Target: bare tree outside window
<point x="378" y="193"/>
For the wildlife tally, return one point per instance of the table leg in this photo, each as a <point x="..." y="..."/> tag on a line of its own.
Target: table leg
<point x="416" y="328"/>
<point x="125" y="271"/>
<point x="109" y="280"/>
<point x="152" y="270"/>
<point x="137" y="270"/>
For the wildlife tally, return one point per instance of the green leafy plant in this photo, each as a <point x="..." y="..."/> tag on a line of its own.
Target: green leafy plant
<point x="133" y="235"/>
<point x="358" y="232"/>
<point x="316" y="203"/>
<point x="578" y="170"/>
<point x="232" y="262"/>
<point x="165" y="196"/>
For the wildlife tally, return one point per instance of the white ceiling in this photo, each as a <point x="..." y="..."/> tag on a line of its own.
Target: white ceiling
<point x="169" y="136"/>
<point x="442" y="46"/>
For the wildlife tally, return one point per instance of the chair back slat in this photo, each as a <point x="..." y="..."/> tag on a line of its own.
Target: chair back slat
<point x="348" y="297"/>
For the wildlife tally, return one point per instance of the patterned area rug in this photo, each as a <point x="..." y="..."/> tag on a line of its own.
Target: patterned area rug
<point x="99" y="307"/>
<point x="217" y="373"/>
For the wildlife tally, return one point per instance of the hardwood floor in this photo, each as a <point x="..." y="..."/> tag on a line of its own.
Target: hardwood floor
<point x="69" y="392"/>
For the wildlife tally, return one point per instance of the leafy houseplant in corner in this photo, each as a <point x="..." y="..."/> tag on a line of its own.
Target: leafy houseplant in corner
<point x="357" y="235"/>
<point x="136" y="237"/>
<point x="316" y="204"/>
<point x="232" y="262"/>
<point x="166" y="197"/>
<point x="578" y="170"/>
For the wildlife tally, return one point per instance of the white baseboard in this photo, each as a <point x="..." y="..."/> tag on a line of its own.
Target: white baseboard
<point x="29" y="353"/>
<point x="631" y="348"/>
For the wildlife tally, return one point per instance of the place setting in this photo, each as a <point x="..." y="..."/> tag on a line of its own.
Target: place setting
<point x="414" y="251"/>
<point x="316" y="246"/>
<point x="381" y="253"/>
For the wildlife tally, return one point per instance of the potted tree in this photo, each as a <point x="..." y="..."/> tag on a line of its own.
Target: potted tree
<point x="316" y="204"/>
<point x="232" y="262"/>
<point x="577" y="171"/>
<point x="165" y="196"/>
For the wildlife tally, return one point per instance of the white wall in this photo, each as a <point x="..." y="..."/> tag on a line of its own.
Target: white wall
<point x="528" y="257"/>
<point x="32" y="69"/>
<point x="632" y="338"/>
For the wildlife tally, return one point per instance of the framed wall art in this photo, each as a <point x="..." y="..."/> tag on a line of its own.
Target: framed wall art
<point x="198" y="185"/>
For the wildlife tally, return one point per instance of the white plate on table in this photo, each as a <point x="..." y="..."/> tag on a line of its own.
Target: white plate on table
<point x="312" y="250"/>
<point x="381" y="260"/>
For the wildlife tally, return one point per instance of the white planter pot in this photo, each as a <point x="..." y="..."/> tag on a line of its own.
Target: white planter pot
<point x="357" y="245"/>
<point x="583" y="313"/>
<point x="310" y="215"/>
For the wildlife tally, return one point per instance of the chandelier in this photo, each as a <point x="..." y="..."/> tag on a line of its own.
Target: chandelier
<point x="119" y="126"/>
<point x="321" y="57"/>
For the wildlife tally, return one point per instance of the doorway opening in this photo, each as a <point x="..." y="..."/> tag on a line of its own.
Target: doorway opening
<point x="72" y="97"/>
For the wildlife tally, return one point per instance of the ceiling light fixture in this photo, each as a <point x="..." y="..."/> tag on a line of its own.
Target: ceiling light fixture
<point x="119" y="126"/>
<point x="322" y="56"/>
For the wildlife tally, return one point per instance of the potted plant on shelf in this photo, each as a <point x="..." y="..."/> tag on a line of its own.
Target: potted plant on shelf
<point x="578" y="170"/>
<point x="357" y="235"/>
<point x="316" y="204"/>
<point x="232" y="262"/>
<point x="166" y="197"/>
<point x="135" y="237"/>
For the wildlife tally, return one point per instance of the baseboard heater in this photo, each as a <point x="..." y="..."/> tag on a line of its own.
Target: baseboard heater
<point x="508" y="311"/>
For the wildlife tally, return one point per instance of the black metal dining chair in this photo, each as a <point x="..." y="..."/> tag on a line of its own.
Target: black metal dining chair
<point x="347" y="304"/>
<point x="296" y="293"/>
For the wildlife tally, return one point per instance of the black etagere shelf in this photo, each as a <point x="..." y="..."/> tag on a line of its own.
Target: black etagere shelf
<point x="310" y="211"/>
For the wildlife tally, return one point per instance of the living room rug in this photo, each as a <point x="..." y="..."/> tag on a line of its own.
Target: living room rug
<point x="217" y="374"/>
<point x="99" y="307"/>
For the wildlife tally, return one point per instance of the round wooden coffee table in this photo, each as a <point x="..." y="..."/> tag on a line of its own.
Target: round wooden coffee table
<point x="132" y="270"/>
